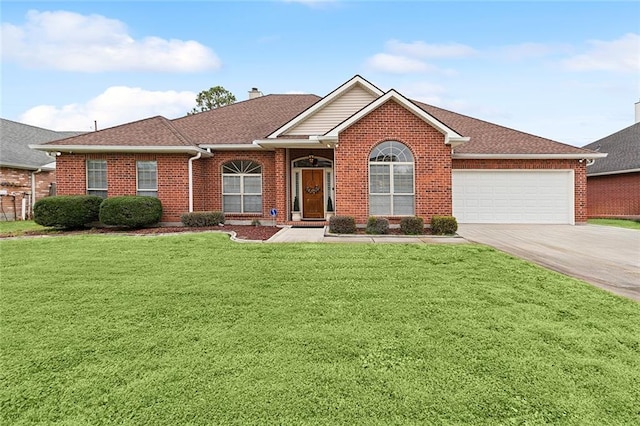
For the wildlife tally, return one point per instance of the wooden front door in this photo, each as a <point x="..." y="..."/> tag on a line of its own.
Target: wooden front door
<point x="313" y="194"/>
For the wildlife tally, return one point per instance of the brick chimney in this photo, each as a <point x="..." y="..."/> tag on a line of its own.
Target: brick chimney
<point x="254" y="93"/>
<point x="638" y="112"/>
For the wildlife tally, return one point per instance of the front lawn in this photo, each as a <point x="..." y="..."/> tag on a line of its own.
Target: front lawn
<point x="195" y="329"/>
<point x="620" y="223"/>
<point x="19" y="227"/>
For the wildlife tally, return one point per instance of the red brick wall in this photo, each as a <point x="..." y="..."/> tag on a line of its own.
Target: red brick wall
<point x="212" y="182"/>
<point x="580" y="177"/>
<point x="173" y="178"/>
<point x="18" y="183"/>
<point x="432" y="159"/>
<point x="614" y="195"/>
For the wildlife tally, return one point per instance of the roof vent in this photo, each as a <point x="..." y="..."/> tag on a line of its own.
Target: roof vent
<point x="254" y="93"/>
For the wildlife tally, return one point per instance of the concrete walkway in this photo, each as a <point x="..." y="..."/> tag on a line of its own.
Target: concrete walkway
<point x="606" y="256"/>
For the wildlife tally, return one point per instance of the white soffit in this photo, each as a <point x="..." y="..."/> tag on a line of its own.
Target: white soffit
<point x="357" y="86"/>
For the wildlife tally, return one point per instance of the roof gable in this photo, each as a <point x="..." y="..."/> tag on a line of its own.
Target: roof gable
<point x="623" y="148"/>
<point x="450" y="135"/>
<point x="334" y="108"/>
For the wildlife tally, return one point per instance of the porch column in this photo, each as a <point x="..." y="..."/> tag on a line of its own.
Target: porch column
<point x="281" y="185"/>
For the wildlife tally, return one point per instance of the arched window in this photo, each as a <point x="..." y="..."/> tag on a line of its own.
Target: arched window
<point x="242" y="187"/>
<point x="391" y="189"/>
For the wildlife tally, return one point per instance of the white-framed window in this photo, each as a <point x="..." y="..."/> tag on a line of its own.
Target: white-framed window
<point x="147" y="177"/>
<point x="97" y="178"/>
<point x="391" y="181"/>
<point x="242" y="187"/>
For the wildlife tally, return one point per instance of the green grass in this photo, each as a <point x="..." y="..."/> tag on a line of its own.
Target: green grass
<point x="19" y="227"/>
<point x="195" y="329"/>
<point x="620" y="223"/>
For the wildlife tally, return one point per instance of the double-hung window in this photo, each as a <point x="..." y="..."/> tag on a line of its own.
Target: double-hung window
<point x="97" y="178"/>
<point x="391" y="186"/>
<point x="147" y="177"/>
<point x="242" y="187"/>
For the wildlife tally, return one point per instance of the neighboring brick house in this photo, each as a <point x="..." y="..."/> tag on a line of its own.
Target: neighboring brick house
<point x="613" y="183"/>
<point x="373" y="153"/>
<point x="25" y="175"/>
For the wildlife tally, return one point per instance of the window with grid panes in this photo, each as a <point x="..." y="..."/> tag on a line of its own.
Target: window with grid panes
<point x="391" y="184"/>
<point x="242" y="187"/>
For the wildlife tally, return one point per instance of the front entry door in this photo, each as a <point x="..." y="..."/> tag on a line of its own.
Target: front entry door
<point x="313" y="194"/>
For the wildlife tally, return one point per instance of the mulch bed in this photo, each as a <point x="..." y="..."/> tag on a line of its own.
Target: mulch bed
<point x="243" y="232"/>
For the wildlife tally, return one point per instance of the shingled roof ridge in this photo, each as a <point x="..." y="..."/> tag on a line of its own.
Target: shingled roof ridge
<point x="418" y="103"/>
<point x="177" y="133"/>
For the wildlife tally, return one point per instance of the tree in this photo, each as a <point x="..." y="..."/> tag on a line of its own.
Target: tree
<point x="213" y="98"/>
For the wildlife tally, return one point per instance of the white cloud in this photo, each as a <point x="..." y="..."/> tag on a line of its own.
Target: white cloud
<point x="516" y="52"/>
<point x="396" y="64"/>
<point x="621" y="55"/>
<point x="408" y="58"/>
<point x="116" y="105"/>
<point x="420" y="49"/>
<point x="92" y="43"/>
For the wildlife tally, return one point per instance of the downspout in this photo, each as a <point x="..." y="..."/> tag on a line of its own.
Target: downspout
<point x="198" y="155"/>
<point x="33" y="193"/>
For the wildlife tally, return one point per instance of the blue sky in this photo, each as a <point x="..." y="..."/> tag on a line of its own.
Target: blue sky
<point x="569" y="71"/>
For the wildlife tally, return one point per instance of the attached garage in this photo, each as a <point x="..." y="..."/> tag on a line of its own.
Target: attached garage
<point x="513" y="196"/>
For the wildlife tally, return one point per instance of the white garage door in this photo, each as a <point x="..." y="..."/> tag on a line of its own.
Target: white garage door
<point x="513" y="196"/>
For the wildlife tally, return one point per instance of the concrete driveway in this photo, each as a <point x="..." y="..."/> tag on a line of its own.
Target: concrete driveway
<point x="606" y="256"/>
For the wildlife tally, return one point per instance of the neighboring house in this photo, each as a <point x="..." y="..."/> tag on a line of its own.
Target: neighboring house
<point x="613" y="183"/>
<point x="373" y="153"/>
<point x="25" y="175"/>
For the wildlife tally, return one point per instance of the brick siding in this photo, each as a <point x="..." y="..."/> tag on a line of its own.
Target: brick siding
<point x="613" y="195"/>
<point x="18" y="183"/>
<point x="432" y="162"/>
<point x="173" y="178"/>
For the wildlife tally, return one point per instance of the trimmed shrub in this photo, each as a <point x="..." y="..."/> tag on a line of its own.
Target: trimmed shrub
<point x="132" y="211"/>
<point x="377" y="225"/>
<point x="199" y="219"/>
<point x="67" y="211"/>
<point x="412" y="225"/>
<point x="444" y="225"/>
<point x="342" y="225"/>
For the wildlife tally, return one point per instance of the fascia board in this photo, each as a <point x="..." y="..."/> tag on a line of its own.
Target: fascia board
<point x="86" y="149"/>
<point x="231" y="147"/>
<point x="585" y="156"/>
<point x="289" y="143"/>
<point x="325" y="101"/>
<point x="450" y="135"/>
<point x="613" y="172"/>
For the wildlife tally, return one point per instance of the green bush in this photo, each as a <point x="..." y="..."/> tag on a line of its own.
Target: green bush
<point x="377" y="225"/>
<point x="444" y="225"/>
<point x="132" y="211"/>
<point x="67" y="211"/>
<point x="412" y="225"/>
<point x="199" y="219"/>
<point x="342" y="225"/>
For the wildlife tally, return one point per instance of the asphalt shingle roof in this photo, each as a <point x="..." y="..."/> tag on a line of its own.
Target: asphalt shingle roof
<point x="489" y="138"/>
<point x="150" y="132"/>
<point x="15" y="139"/>
<point x="623" y="148"/>
<point x="244" y="122"/>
